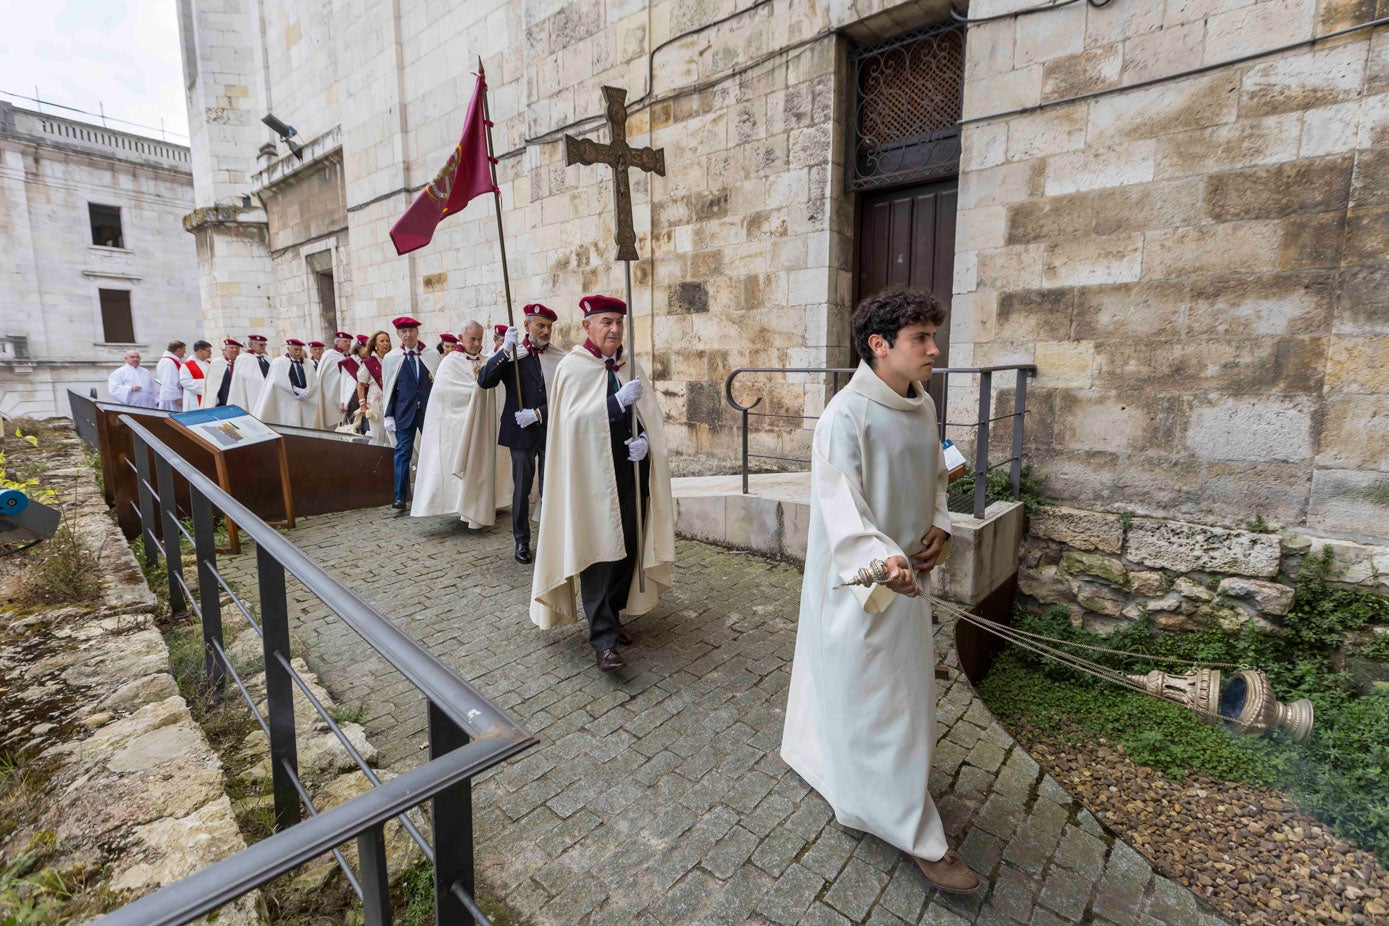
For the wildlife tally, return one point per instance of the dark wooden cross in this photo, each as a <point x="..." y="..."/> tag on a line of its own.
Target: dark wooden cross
<point x="618" y="155"/>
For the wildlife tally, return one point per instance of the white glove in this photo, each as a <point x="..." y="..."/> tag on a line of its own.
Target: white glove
<point x="509" y="340"/>
<point x="390" y="425"/>
<point x="637" y="448"/>
<point x="629" y="394"/>
<point x="300" y="392"/>
<point x="527" y="417"/>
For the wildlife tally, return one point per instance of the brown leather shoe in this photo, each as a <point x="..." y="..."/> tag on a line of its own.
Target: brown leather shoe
<point x="949" y="874"/>
<point x="610" y="659"/>
<point x="624" y="638"/>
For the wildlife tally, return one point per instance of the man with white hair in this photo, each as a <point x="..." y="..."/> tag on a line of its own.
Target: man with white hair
<point x="332" y="410"/>
<point x="291" y="390"/>
<point x="166" y="374"/>
<point x="588" y="524"/>
<point x="457" y="471"/>
<point x="132" y="384"/>
<point x="248" y="379"/>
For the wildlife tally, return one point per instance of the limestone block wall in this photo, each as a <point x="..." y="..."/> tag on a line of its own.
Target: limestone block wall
<point x="1196" y="267"/>
<point x="1104" y="569"/>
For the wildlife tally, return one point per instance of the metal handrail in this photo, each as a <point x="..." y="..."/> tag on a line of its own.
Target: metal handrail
<point x="981" y="444"/>
<point x="462" y="722"/>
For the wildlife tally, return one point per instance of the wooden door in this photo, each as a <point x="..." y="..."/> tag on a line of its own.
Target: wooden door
<point x="906" y="239"/>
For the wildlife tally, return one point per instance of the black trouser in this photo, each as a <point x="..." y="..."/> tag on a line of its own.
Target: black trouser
<point x="606" y="585"/>
<point x="525" y="464"/>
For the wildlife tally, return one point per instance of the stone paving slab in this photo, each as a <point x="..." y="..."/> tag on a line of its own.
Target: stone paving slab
<point x="656" y="795"/>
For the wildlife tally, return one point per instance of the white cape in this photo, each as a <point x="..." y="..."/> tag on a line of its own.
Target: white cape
<point x="861" y="713"/>
<point x="166" y="374"/>
<point x="580" y="523"/>
<point x="457" y="471"/>
<point x="247" y="382"/>
<point x="216" y="367"/>
<point x="278" y="402"/>
<point x="329" y="388"/>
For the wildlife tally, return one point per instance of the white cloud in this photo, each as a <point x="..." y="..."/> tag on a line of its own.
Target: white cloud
<point x="100" y="53"/>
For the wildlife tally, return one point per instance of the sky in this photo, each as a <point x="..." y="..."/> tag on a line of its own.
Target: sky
<point x="120" y="54"/>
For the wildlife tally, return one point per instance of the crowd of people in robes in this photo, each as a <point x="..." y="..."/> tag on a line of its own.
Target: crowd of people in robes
<point x="580" y="431"/>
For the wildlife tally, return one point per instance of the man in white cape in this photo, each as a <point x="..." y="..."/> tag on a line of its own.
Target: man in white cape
<point x="219" y="375"/>
<point x="457" y="472"/>
<point x="166" y="375"/>
<point x="331" y="410"/>
<point x="193" y="375"/>
<point x="588" y="524"/>
<point x="861" y="712"/>
<point x="132" y="384"/>
<point x="290" y="396"/>
<point x="248" y="377"/>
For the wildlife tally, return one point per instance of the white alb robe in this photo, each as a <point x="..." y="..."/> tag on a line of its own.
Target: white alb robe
<point x="457" y="472"/>
<point x="247" y="382"/>
<point x="279" y="404"/>
<point x="580" y="522"/>
<point x="166" y="374"/>
<point x="119" y="382"/>
<point x="861" y="713"/>
<point x="193" y="386"/>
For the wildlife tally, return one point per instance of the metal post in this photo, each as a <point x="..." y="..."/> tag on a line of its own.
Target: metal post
<point x="452" y="816"/>
<point x="279" y="688"/>
<point x="981" y="445"/>
<point x="376" y="886"/>
<point x="142" y="490"/>
<point x="745" y="451"/>
<point x="173" y="549"/>
<point x="1019" y="409"/>
<point x="209" y="595"/>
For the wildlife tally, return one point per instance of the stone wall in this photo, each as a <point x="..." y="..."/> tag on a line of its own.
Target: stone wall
<point x="1104" y="569"/>
<point x="1197" y="266"/>
<point x="51" y="169"/>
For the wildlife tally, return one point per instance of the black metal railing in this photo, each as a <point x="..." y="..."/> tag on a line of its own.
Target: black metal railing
<point x="981" y="425"/>
<point x="468" y="734"/>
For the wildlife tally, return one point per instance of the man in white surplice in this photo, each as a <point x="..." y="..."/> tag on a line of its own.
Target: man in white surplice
<point x="132" y="384"/>
<point x="457" y="472"/>
<point x="861" y="713"/>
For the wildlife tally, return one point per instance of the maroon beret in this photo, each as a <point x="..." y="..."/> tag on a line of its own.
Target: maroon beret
<point x="499" y="330"/>
<point x="542" y="311"/>
<point x="448" y="338"/>
<point x="594" y="305"/>
<point x="316" y="344"/>
<point x="341" y="336"/>
<point x="294" y="342"/>
<point x="255" y="337"/>
<point x="404" y="321"/>
<point x="232" y="342"/>
<point x="361" y="339"/>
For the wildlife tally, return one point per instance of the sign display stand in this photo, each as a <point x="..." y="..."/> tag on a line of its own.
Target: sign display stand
<point x="224" y="430"/>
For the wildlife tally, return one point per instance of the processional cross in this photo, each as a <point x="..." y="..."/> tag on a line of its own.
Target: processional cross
<point x="619" y="155"/>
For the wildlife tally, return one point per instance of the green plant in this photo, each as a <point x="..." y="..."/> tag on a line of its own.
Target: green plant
<point x="1125" y="520"/>
<point x="414" y="900"/>
<point x="63" y="570"/>
<point x="348" y="713"/>
<point x="1257" y="524"/>
<point x="998" y="487"/>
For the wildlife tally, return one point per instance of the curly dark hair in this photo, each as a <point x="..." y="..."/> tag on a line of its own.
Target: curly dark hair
<point x="889" y="312"/>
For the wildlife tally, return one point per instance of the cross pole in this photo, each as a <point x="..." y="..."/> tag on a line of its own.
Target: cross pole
<point x="620" y="156"/>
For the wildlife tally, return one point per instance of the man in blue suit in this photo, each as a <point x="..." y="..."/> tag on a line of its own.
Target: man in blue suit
<point x="524" y="417"/>
<point x="407" y="373"/>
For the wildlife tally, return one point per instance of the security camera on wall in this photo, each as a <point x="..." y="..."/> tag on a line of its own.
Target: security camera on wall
<point x="285" y="131"/>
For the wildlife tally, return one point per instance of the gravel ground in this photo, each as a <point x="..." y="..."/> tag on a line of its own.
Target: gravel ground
<point x="1245" y="849"/>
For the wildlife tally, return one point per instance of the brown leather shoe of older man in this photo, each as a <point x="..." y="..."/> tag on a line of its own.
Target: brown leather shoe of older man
<point x="949" y="874"/>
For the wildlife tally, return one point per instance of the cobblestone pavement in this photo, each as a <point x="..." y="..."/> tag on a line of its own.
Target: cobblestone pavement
<point x="656" y="795"/>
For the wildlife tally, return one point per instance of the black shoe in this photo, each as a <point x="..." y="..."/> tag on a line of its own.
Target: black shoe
<point x="610" y="659"/>
<point x="523" y="553"/>
<point x="398" y="505"/>
<point x="624" y="638"/>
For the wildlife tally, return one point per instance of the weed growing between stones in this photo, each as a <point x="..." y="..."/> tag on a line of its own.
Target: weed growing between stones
<point x="1341" y="775"/>
<point x="412" y="899"/>
<point x="63" y="570"/>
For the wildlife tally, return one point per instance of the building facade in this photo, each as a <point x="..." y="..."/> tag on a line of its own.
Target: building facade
<point x="1176" y="210"/>
<point x="95" y="257"/>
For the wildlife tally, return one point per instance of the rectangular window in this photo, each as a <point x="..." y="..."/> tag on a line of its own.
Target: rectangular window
<point x="106" y="226"/>
<point x="116" y="323"/>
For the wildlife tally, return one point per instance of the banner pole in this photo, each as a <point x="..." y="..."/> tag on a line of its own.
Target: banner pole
<point x="636" y="465"/>
<point x="501" y="234"/>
